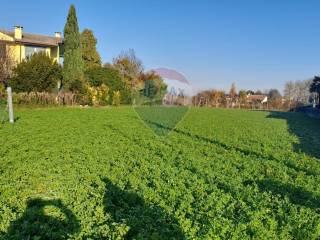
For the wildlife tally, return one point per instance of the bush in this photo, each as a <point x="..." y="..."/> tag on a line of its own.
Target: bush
<point x="116" y="98"/>
<point x="3" y="102"/>
<point x="36" y="74"/>
<point x="3" y="93"/>
<point x="98" y="95"/>
<point x="109" y="77"/>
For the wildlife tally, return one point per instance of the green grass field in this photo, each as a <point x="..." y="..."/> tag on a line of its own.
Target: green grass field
<point x="95" y="173"/>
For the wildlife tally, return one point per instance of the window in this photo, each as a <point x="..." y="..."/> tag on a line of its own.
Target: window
<point x="30" y="50"/>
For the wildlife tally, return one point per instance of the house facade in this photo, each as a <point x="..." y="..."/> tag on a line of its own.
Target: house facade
<point x="259" y="101"/>
<point x="22" y="45"/>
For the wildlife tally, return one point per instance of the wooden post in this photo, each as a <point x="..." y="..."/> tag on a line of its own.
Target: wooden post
<point x="10" y="107"/>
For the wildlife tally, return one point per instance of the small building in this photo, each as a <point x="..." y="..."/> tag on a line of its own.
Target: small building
<point x="257" y="100"/>
<point x="22" y="45"/>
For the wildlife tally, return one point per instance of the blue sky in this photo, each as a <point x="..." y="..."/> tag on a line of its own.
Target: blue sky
<point x="258" y="44"/>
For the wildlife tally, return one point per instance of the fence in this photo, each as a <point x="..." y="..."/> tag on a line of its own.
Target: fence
<point x="44" y="98"/>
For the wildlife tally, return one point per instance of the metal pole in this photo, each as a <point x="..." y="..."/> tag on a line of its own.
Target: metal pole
<point x="11" y="118"/>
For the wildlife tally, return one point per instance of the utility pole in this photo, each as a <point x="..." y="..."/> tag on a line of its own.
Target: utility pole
<point x="10" y="107"/>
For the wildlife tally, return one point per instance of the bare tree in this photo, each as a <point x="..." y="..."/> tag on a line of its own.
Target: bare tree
<point x="233" y="91"/>
<point x="297" y="92"/>
<point x="6" y="63"/>
<point x="302" y="91"/>
<point x="130" y="67"/>
<point x="289" y="92"/>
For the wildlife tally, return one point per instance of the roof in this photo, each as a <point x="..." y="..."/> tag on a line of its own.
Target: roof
<point x="256" y="97"/>
<point x="35" y="39"/>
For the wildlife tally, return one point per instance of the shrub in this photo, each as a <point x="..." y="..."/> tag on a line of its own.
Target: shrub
<point x="116" y="98"/>
<point x="103" y="94"/>
<point x="98" y="95"/>
<point x="36" y="74"/>
<point x="3" y="102"/>
<point x="111" y="78"/>
<point x="3" y="93"/>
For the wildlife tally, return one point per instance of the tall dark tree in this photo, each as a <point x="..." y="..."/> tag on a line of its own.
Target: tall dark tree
<point x="275" y="98"/>
<point x="73" y="68"/>
<point x="150" y="89"/>
<point x="90" y="55"/>
<point x="315" y="87"/>
<point x="274" y="94"/>
<point x="233" y="91"/>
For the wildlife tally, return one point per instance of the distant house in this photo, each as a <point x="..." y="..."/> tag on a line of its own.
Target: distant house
<point x="257" y="100"/>
<point x="22" y="45"/>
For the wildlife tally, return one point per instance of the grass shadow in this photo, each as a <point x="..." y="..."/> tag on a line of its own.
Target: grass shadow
<point x="306" y="129"/>
<point x="36" y="223"/>
<point x="145" y="221"/>
<point x="297" y="195"/>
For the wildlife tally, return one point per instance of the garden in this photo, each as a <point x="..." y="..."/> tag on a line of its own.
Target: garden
<point x="127" y="173"/>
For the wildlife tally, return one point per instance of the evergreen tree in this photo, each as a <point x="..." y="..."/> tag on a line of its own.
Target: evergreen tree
<point x="90" y="55"/>
<point x="73" y="68"/>
<point x="315" y="87"/>
<point x="150" y="89"/>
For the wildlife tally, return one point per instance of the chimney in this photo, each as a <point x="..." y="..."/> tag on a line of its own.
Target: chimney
<point x="57" y="34"/>
<point x="18" y="32"/>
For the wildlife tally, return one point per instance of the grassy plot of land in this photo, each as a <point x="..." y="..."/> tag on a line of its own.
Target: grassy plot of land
<point x="161" y="119"/>
<point x="102" y="174"/>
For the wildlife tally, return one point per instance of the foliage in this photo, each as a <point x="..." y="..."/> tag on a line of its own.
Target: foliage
<point x="242" y="96"/>
<point x="274" y="98"/>
<point x="110" y="77"/>
<point x="315" y="86"/>
<point x="90" y="56"/>
<point x="38" y="73"/>
<point x="98" y="95"/>
<point x="3" y="103"/>
<point x="154" y="87"/>
<point x="130" y="68"/>
<point x="3" y="92"/>
<point x="210" y="98"/>
<point x="150" y="89"/>
<point x="116" y="98"/>
<point x="73" y="66"/>
<point x="102" y="174"/>
<point x="274" y="94"/>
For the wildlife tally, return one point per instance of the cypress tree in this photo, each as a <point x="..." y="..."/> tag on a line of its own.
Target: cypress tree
<point x="90" y="55"/>
<point x="73" y="68"/>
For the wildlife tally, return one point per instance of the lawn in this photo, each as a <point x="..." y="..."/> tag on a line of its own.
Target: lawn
<point x="103" y="173"/>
